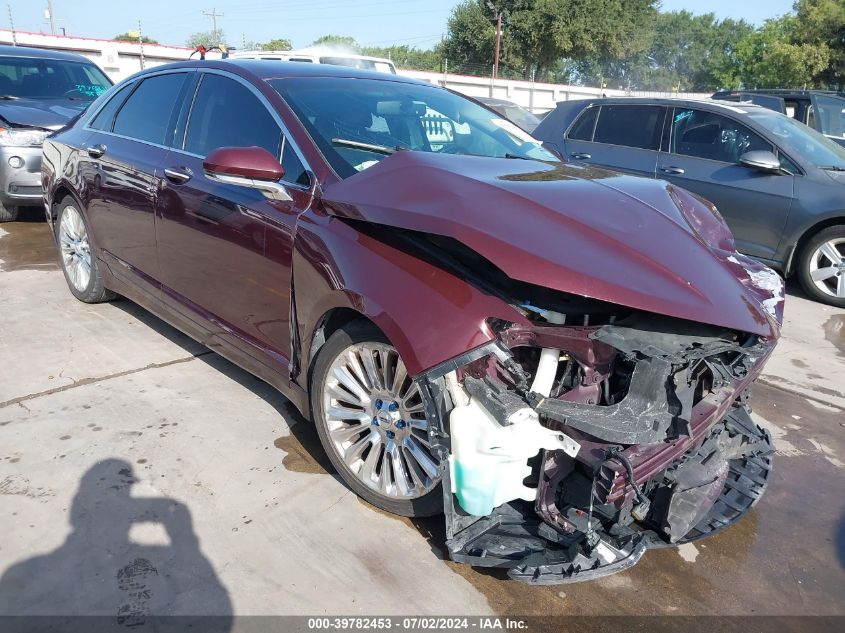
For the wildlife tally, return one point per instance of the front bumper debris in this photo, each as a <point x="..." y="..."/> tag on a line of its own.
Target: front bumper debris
<point x="694" y="456"/>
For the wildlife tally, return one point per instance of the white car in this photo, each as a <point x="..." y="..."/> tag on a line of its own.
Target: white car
<point x="322" y="56"/>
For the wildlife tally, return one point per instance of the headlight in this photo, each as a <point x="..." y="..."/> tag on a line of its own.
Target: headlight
<point x="22" y="137"/>
<point x="704" y="219"/>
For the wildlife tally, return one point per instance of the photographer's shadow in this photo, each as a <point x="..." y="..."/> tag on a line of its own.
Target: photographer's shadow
<point x="100" y="571"/>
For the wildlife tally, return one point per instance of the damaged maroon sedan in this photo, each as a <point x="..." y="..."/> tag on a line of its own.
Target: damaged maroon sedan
<point x="556" y="357"/>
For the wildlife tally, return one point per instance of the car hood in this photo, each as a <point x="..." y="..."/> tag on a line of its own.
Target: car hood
<point x="573" y="228"/>
<point x="48" y="114"/>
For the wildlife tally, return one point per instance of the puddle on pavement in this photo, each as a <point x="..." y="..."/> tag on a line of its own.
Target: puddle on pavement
<point x="26" y="246"/>
<point x="834" y="331"/>
<point x="303" y="451"/>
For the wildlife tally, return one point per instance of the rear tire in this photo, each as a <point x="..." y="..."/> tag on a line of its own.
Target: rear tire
<point x="77" y="255"/>
<point x="8" y="213"/>
<point x="376" y="436"/>
<point x="821" y="266"/>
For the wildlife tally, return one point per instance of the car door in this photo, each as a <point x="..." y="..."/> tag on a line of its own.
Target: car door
<point x="129" y="140"/>
<point x="703" y="156"/>
<point x="225" y="249"/>
<point x="625" y="138"/>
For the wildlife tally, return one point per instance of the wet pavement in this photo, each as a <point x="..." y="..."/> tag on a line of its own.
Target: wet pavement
<point x="116" y="430"/>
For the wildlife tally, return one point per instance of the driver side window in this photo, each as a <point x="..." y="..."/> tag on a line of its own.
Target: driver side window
<point x="226" y="113"/>
<point x="703" y="134"/>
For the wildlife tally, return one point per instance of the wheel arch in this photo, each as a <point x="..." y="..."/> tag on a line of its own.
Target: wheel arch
<point x="806" y="235"/>
<point x="427" y="314"/>
<point x="330" y="322"/>
<point x="60" y="192"/>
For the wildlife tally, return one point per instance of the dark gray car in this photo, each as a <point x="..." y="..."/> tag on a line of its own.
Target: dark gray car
<point x="512" y="112"/>
<point x="779" y="184"/>
<point x="40" y="91"/>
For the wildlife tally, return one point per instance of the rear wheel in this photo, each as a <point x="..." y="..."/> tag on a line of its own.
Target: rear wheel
<point x="8" y="213"/>
<point x="77" y="257"/>
<point x="371" y="421"/>
<point x="821" y="268"/>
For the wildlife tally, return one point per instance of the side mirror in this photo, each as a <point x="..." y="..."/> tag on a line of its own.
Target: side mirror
<point x="252" y="167"/>
<point x="761" y="160"/>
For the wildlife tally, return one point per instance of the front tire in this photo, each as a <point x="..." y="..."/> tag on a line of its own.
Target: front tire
<point x="821" y="266"/>
<point x="77" y="256"/>
<point x="371" y="422"/>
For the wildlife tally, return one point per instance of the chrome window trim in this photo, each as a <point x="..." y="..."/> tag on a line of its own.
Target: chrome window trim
<point x="118" y="87"/>
<point x="286" y="136"/>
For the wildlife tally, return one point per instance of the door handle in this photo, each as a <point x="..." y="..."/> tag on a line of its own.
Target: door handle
<point x="178" y="176"/>
<point x="95" y="151"/>
<point x="672" y="170"/>
<point x="581" y="155"/>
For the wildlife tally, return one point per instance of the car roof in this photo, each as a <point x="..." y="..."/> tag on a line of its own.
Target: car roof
<point x="277" y="69"/>
<point x="779" y="92"/>
<point x="40" y="53"/>
<point x="670" y="101"/>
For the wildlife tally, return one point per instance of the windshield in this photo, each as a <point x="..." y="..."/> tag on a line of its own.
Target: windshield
<point x="34" y="78"/>
<point x="813" y="146"/>
<point x="522" y="117"/>
<point x="358" y="122"/>
<point x="831" y="114"/>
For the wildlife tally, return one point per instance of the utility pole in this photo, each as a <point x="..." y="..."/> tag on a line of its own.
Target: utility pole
<point x="498" y="45"/>
<point x="12" y="24"/>
<point x="213" y="15"/>
<point x="50" y="15"/>
<point x="141" y="43"/>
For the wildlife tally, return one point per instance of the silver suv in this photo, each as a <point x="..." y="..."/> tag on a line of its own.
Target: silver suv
<point x="40" y="91"/>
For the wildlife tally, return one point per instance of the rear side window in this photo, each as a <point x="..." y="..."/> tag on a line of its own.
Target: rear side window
<point x="227" y="114"/>
<point x="105" y="117"/>
<point x="630" y="126"/>
<point x="583" y="128"/>
<point x="148" y="113"/>
<point x="709" y="135"/>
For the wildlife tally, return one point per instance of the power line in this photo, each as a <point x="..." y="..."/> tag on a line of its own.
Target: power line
<point x="213" y="15"/>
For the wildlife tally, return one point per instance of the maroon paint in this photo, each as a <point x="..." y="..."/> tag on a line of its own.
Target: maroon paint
<point x="218" y="260"/>
<point x="428" y="314"/>
<point x="588" y="232"/>
<point x="248" y="162"/>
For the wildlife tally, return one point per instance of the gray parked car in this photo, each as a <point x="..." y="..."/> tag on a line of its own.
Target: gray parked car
<point x="40" y="91"/>
<point x="512" y="112"/>
<point x="779" y="184"/>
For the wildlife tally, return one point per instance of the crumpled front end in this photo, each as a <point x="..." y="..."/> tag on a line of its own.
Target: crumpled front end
<point x="591" y="432"/>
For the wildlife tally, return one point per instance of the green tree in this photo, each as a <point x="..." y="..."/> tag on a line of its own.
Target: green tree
<point x="822" y="23"/>
<point x="277" y="44"/>
<point x="133" y="37"/>
<point x="337" y="41"/>
<point x="774" y="57"/>
<point x="209" y="39"/>
<point x="539" y="33"/>
<point x="471" y="40"/>
<point x="408" y="57"/>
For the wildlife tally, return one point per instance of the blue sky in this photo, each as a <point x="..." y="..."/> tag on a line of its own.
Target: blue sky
<point x="378" y="22"/>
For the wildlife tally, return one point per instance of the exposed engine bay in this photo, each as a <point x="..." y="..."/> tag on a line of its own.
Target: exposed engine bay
<point x="573" y="444"/>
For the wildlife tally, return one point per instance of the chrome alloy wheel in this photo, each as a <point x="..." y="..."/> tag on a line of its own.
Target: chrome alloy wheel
<point x="76" y="251"/>
<point x="376" y="422"/>
<point x="827" y="268"/>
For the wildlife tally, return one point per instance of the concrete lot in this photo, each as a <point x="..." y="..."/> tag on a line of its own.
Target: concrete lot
<point x="141" y="473"/>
